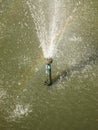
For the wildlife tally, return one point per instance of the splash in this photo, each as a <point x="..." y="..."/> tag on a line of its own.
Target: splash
<point x="19" y="112"/>
<point x="50" y="18"/>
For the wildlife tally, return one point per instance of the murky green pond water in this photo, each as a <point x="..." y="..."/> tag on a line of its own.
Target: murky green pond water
<point x="71" y="103"/>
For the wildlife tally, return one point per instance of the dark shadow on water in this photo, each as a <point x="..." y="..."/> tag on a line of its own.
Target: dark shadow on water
<point x="63" y="74"/>
<point x="78" y="67"/>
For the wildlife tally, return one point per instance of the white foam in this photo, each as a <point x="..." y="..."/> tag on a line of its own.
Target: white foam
<point x="20" y="111"/>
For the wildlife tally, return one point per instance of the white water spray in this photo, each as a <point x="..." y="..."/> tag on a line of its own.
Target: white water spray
<point x="50" y="21"/>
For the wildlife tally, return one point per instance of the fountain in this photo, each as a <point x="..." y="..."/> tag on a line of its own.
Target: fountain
<point x="60" y="31"/>
<point x="50" y="18"/>
<point x="67" y="32"/>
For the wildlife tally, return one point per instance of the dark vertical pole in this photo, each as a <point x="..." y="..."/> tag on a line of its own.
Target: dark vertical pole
<point x="50" y="77"/>
<point x="48" y="69"/>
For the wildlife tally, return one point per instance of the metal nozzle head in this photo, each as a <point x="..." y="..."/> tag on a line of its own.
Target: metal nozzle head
<point x="49" y="60"/>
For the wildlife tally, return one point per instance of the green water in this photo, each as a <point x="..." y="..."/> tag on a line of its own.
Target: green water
<point x="72" y="101"/>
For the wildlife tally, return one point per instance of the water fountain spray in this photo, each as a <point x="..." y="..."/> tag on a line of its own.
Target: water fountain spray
<point x="50" y="23"/>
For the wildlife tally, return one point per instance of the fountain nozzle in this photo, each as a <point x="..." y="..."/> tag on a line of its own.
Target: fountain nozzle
<point x="49" y="60"/>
